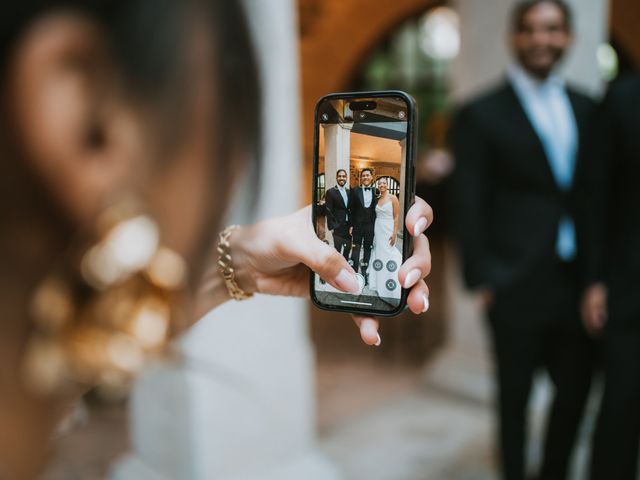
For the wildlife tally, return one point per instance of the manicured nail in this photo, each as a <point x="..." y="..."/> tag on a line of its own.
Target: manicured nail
<point x="377" y="344"/>
<point x="412" y="277"/>
<point x="425" y="302"/>
<point x="420" y="226"/>
<point x="347" y="281"/>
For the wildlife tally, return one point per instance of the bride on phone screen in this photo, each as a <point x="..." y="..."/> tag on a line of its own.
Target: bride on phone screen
<point x="386" y="258"/>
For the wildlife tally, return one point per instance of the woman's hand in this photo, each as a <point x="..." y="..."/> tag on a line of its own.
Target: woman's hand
<point x="392" y="239"/>
<point x="411" y="273"/>
<point x="274" y="257"/>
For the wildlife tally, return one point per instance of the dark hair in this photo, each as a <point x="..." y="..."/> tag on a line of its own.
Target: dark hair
<point x="521" y="9"/>
<point x="341" y="170"/>
<point x="367" y="169"/>
<point x="148" y="39"/>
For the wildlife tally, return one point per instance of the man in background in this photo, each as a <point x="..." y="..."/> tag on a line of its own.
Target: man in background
<point x="337" y="208"/>
<point x="611" y="306"/>
<point x="517" y="149"/>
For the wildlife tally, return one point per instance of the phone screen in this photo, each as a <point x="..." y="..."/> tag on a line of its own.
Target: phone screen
<point x="363" y="183"/>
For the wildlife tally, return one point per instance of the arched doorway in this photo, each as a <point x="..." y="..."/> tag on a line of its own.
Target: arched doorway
<point x="625" y="15"/>
<point x="336" y="37"/>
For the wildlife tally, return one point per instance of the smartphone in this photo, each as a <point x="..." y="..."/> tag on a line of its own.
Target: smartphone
<point x="363" y="185"/>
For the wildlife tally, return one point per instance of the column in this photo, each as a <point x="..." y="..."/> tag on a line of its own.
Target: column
<point x="240" y="403"/>
<point x="337" y="151"/>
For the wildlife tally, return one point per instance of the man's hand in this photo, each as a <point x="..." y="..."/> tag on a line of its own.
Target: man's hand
<point x="486" y="297"/>
<point x="594" y="308"/>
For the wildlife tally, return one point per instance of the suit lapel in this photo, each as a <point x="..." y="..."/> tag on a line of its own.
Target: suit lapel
<point x="581" y="119"/>
<point x="527" y="128"/>
<point x="336" y="192"/>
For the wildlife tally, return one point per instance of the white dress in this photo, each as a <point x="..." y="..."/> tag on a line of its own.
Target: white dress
<point x="385" y="259"/>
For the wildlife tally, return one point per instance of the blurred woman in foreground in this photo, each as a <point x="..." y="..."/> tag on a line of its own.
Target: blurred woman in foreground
<point x="117" y="118"/>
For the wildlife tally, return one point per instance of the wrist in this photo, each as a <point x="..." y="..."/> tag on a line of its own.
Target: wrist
<point x="214" y="290"/>
<point x="239" y="249"/>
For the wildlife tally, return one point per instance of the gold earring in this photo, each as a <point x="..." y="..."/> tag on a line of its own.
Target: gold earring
<point x="111" y="304"/>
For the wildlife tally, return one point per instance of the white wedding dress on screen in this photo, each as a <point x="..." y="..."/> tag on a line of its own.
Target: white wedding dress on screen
<point x="385" y="259"/>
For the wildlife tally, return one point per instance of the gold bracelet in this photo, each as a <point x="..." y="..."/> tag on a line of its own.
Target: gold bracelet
<point x="225" y="265"/>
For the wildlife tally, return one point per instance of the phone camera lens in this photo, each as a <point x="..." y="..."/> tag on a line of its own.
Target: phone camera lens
<point x="401" y="114"/>
<point x="325" y="117"/>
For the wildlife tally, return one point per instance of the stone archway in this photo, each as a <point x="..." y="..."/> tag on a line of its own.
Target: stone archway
<point x="625" y="16"/>
<point x="335" y="37"/>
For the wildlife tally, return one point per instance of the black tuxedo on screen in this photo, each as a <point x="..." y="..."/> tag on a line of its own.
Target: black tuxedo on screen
<point x="363" y="220"/>
<point x="612" y="218"/>
<point x="338" y="220"/>
<point x="507" y="208"/>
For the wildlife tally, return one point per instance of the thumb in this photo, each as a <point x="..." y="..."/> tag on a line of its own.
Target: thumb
<point x="319" y="256"/>
<point x="329" y="264"/>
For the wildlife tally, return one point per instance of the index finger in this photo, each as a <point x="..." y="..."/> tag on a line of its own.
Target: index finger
<point x="368" y="327"/>
<point x="419" y="217"/>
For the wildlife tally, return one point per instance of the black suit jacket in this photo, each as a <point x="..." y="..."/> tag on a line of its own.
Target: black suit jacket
<point x="507" y="204"/>
<point x="361" y="215"/>
<point x="337" y="211"/>
<point x="611" y="214"/>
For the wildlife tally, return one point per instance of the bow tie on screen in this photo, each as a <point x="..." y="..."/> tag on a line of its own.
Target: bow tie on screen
<point x="366" y="189"/>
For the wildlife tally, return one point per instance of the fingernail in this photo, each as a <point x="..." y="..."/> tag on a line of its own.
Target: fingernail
<point x="347" y="281"/>
<point x="412" y="277"/>
<point x="377" y="344"/>
<point x="420" y="226"/>
<point x="425" y="302"/>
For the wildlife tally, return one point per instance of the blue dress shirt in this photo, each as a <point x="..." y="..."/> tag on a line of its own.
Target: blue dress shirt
<point x="549" y="110"/>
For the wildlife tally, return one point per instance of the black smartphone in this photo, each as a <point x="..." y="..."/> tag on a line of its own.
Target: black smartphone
<point x="363" y="185"/>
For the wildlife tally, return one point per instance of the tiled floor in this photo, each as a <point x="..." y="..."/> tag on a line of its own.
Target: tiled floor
<point x="411" y="432"/>
<point x="376" y="421"/>
<point x="421" y="436"/>
<point x="381" y="423"/>
<point x="85" y="452"/>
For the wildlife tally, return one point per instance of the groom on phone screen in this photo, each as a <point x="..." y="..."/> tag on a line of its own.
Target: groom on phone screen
<point x="363" y="217"/>
<point x="337" y="204"/>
